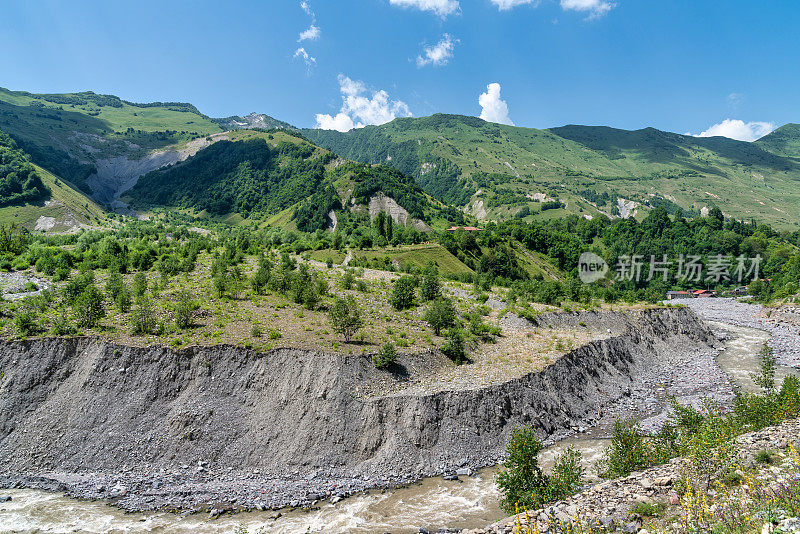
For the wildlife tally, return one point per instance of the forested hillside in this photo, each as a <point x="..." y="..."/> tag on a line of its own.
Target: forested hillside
<point x="242" y="176"/>
<point x="503" y="171"/>
<point x="19" y="181"/>
<point x="261" y="174"/>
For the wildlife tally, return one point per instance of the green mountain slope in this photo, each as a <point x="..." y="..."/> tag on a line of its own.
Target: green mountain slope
<point x="785" y="141"/>
<point x="34" y="198"/>
<point x="279" y="177"/>
<point x="501" y="171"/>
<point x="68" y="133"/>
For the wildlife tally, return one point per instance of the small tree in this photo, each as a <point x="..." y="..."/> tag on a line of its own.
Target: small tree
<point x="765" y="379"/>
<point x="348" y="279"/>
<point x="523" y="484"/>
<point x="89" y="307"/>
<point x="139" y="284"/>
<point x="143" y="319"/>
<point x="220" y="282"/>
<point x="123" y="300"/>
<point x="114" y="286"/>
<point x="440" y="314"/>
<point x="184" y="309"/>
<point x="430" y="289"/>
<point x="520" y="478"/>
<point x="345" y="317"/>
<point x="454" y="348"/>
<point x="403" y="293"/>
<point x="386" y="357"/>
<point x="260" y="279"/>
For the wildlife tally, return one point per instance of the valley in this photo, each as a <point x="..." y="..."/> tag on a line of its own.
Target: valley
<point x="260" y="318"/>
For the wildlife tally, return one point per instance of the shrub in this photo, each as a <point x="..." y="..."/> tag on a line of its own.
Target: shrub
<point x="89" y="307"/>
<point x="143" y="318"/>
<point x="75" y="286"/>
<point x="454" y="347"/>
<point x="403" y="293"/>
<point x="348" y="279"/>
<point x="255" y="331"/>
<point x="430" y="289"/>
<point x="523" y="484"/>
<point x="184" y="309"/>
<point x="627" y="453"/>
<point x="764" y="457"/>
<point x="440" y="314"/>
<point x="62" y="325"/>
<point x="114" y="286"/>
<point x="345" y="317"/>
<point x="646" y="509"/>
<point x="386" y="357"/>
<point x="275" y="334"/>
<point x="520" y="478"/>
<point x="25" y="322"/>
<point x="139" y="284"/>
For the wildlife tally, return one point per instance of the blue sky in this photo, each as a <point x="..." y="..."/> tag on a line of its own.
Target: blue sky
<point x="677" y="65"/>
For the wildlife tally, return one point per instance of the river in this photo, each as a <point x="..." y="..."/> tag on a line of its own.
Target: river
<point x="471" y="502"/>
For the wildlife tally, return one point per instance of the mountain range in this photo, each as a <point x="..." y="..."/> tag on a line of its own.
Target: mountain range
<point x="101" y="145"/>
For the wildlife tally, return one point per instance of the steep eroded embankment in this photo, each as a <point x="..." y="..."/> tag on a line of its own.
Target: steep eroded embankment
<point x="78" y="406"/>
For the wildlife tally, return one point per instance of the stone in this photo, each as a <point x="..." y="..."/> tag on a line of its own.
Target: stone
<point x="5" y="498"/>
<point x="464" y="472"/>
<point x="664" y="481"/>
<point x="646" y="483"/>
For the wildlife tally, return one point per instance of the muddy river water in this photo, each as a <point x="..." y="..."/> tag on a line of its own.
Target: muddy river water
<point x="432" y="503"/>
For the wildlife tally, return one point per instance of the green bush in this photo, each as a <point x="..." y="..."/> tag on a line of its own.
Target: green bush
<point x="522" y="483"/>
<point x="440" y="314"/>
<point x="184" y="309"/>
<point x="386" y="357"/>
<point x="89" y="307"/>
<point x="25" y="322"/>
<point x="345" y="317"/>
<point x="431" y="288"/>
<point x="646" y="509"/>
<point x="143" y="318"/>
<point x="403" y="293"/>
<point x="627" y="453"/>
<point x="454" y="347"/>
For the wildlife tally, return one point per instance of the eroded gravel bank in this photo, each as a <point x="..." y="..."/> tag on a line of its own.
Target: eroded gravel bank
<point x="223" y="428"/>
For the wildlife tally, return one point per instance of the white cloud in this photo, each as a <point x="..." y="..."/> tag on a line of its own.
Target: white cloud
<point x="309" y="60"/>
<point x="503" y="5"/>
<point x="596" y="8"/>
<point x="359" y="110"/>
<point x="305" y="6"/>
<point x="311" y="34"/>
<point x="739" y="130"/>
<point x="440" y="7"/>
<point x="438" y="54"/>
<point x="494" y="109"/>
